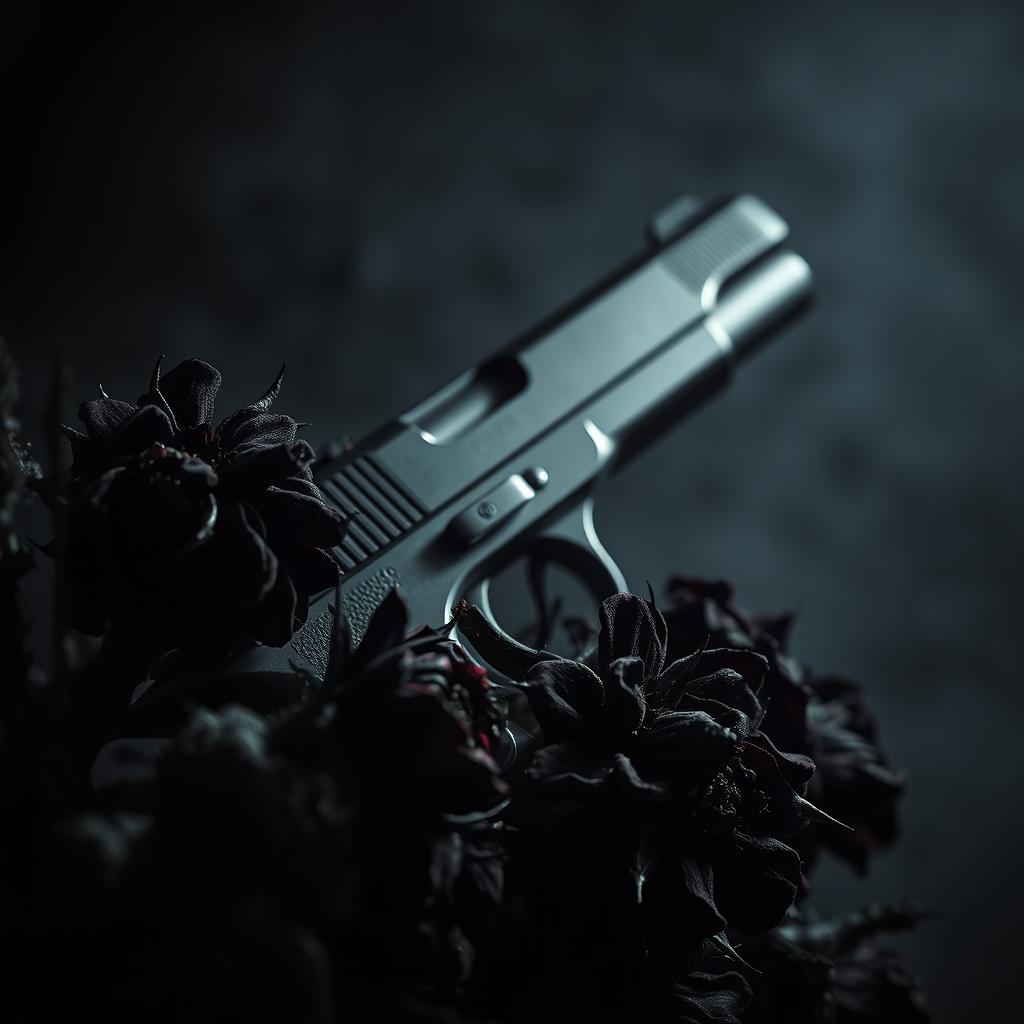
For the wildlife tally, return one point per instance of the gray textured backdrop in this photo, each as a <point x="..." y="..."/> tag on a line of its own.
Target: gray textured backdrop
<point x="383" y="194"/>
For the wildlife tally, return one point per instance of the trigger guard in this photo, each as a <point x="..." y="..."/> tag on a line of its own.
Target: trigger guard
<point x="572" y="543"/>
<point x="480" y="595"/>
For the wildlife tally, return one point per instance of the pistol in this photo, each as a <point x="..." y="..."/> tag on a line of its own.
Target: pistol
<point x="501" y="463"/>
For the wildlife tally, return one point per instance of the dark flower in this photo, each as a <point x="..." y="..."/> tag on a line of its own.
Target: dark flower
<point x="416" y="707"/>
<point x="855" y="781"/>
<point x="419" y="729"/>
<point x="348" y="848"/>
<point x="704" y="613"/>
<point x="653" y="816"/>
<point x="209" y="533"/>
<point x="823" y="716"/>
<point x="684" y="743"/>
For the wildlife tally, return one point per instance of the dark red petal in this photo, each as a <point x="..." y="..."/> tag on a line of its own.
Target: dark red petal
<point x="731" y="718"/>
<point x="570" y="769"/>
<point x="692" y="742"/>
<point x="259" y="466"/>
<point x="749" y="664"/>
<point x="701" y="913"/>
<point x="756" y="882"/>
<point x="632" y="784"/>
<point x="731" y="677"/>
<point x="566" y="698"/>
<point x="274" y="618"/>
<point x="301" y="519"/>
<point x="632" y="628"/>
<point x="250" y="567"/>
<point x="312" y="570"/>
<point x="102" y="416"/>
<point x="796" y="768"/>
<point x="146" y="427"/>
<point x="87" y="454"/>
<point x="302" y="484"/>
<point x="624" y="687"/>
<point x="250" y="427"/>
<point x="784" y="814"/>
<point x="191" y="392"/>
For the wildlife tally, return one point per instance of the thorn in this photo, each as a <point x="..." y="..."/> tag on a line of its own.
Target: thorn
<point x="818" y="815"/>
<point x="268" y="397"/>
<point x="103" y="392"/>
<point x="154" y="380"/>
<point x="158" y="395"/>
<point x="726" y="947"/>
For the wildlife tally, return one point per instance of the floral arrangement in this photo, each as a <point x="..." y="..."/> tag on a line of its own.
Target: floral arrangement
<point x="359" y="847"/>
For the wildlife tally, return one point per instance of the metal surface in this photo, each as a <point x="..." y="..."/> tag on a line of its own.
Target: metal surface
<point x="451" y="491"/>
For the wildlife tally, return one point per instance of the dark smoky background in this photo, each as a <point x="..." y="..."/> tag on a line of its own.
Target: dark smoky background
<point x="382" y="194"/>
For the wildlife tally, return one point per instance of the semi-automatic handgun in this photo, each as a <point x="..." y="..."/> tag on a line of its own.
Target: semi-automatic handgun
<point x="502" y="462"/>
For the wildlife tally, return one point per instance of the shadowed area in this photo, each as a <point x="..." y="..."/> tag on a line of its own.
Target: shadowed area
<point x="383" y="194"/>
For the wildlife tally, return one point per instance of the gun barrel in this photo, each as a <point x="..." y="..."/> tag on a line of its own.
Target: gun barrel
<point x="699" y="361"/>
<point x="762" y="301"/>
